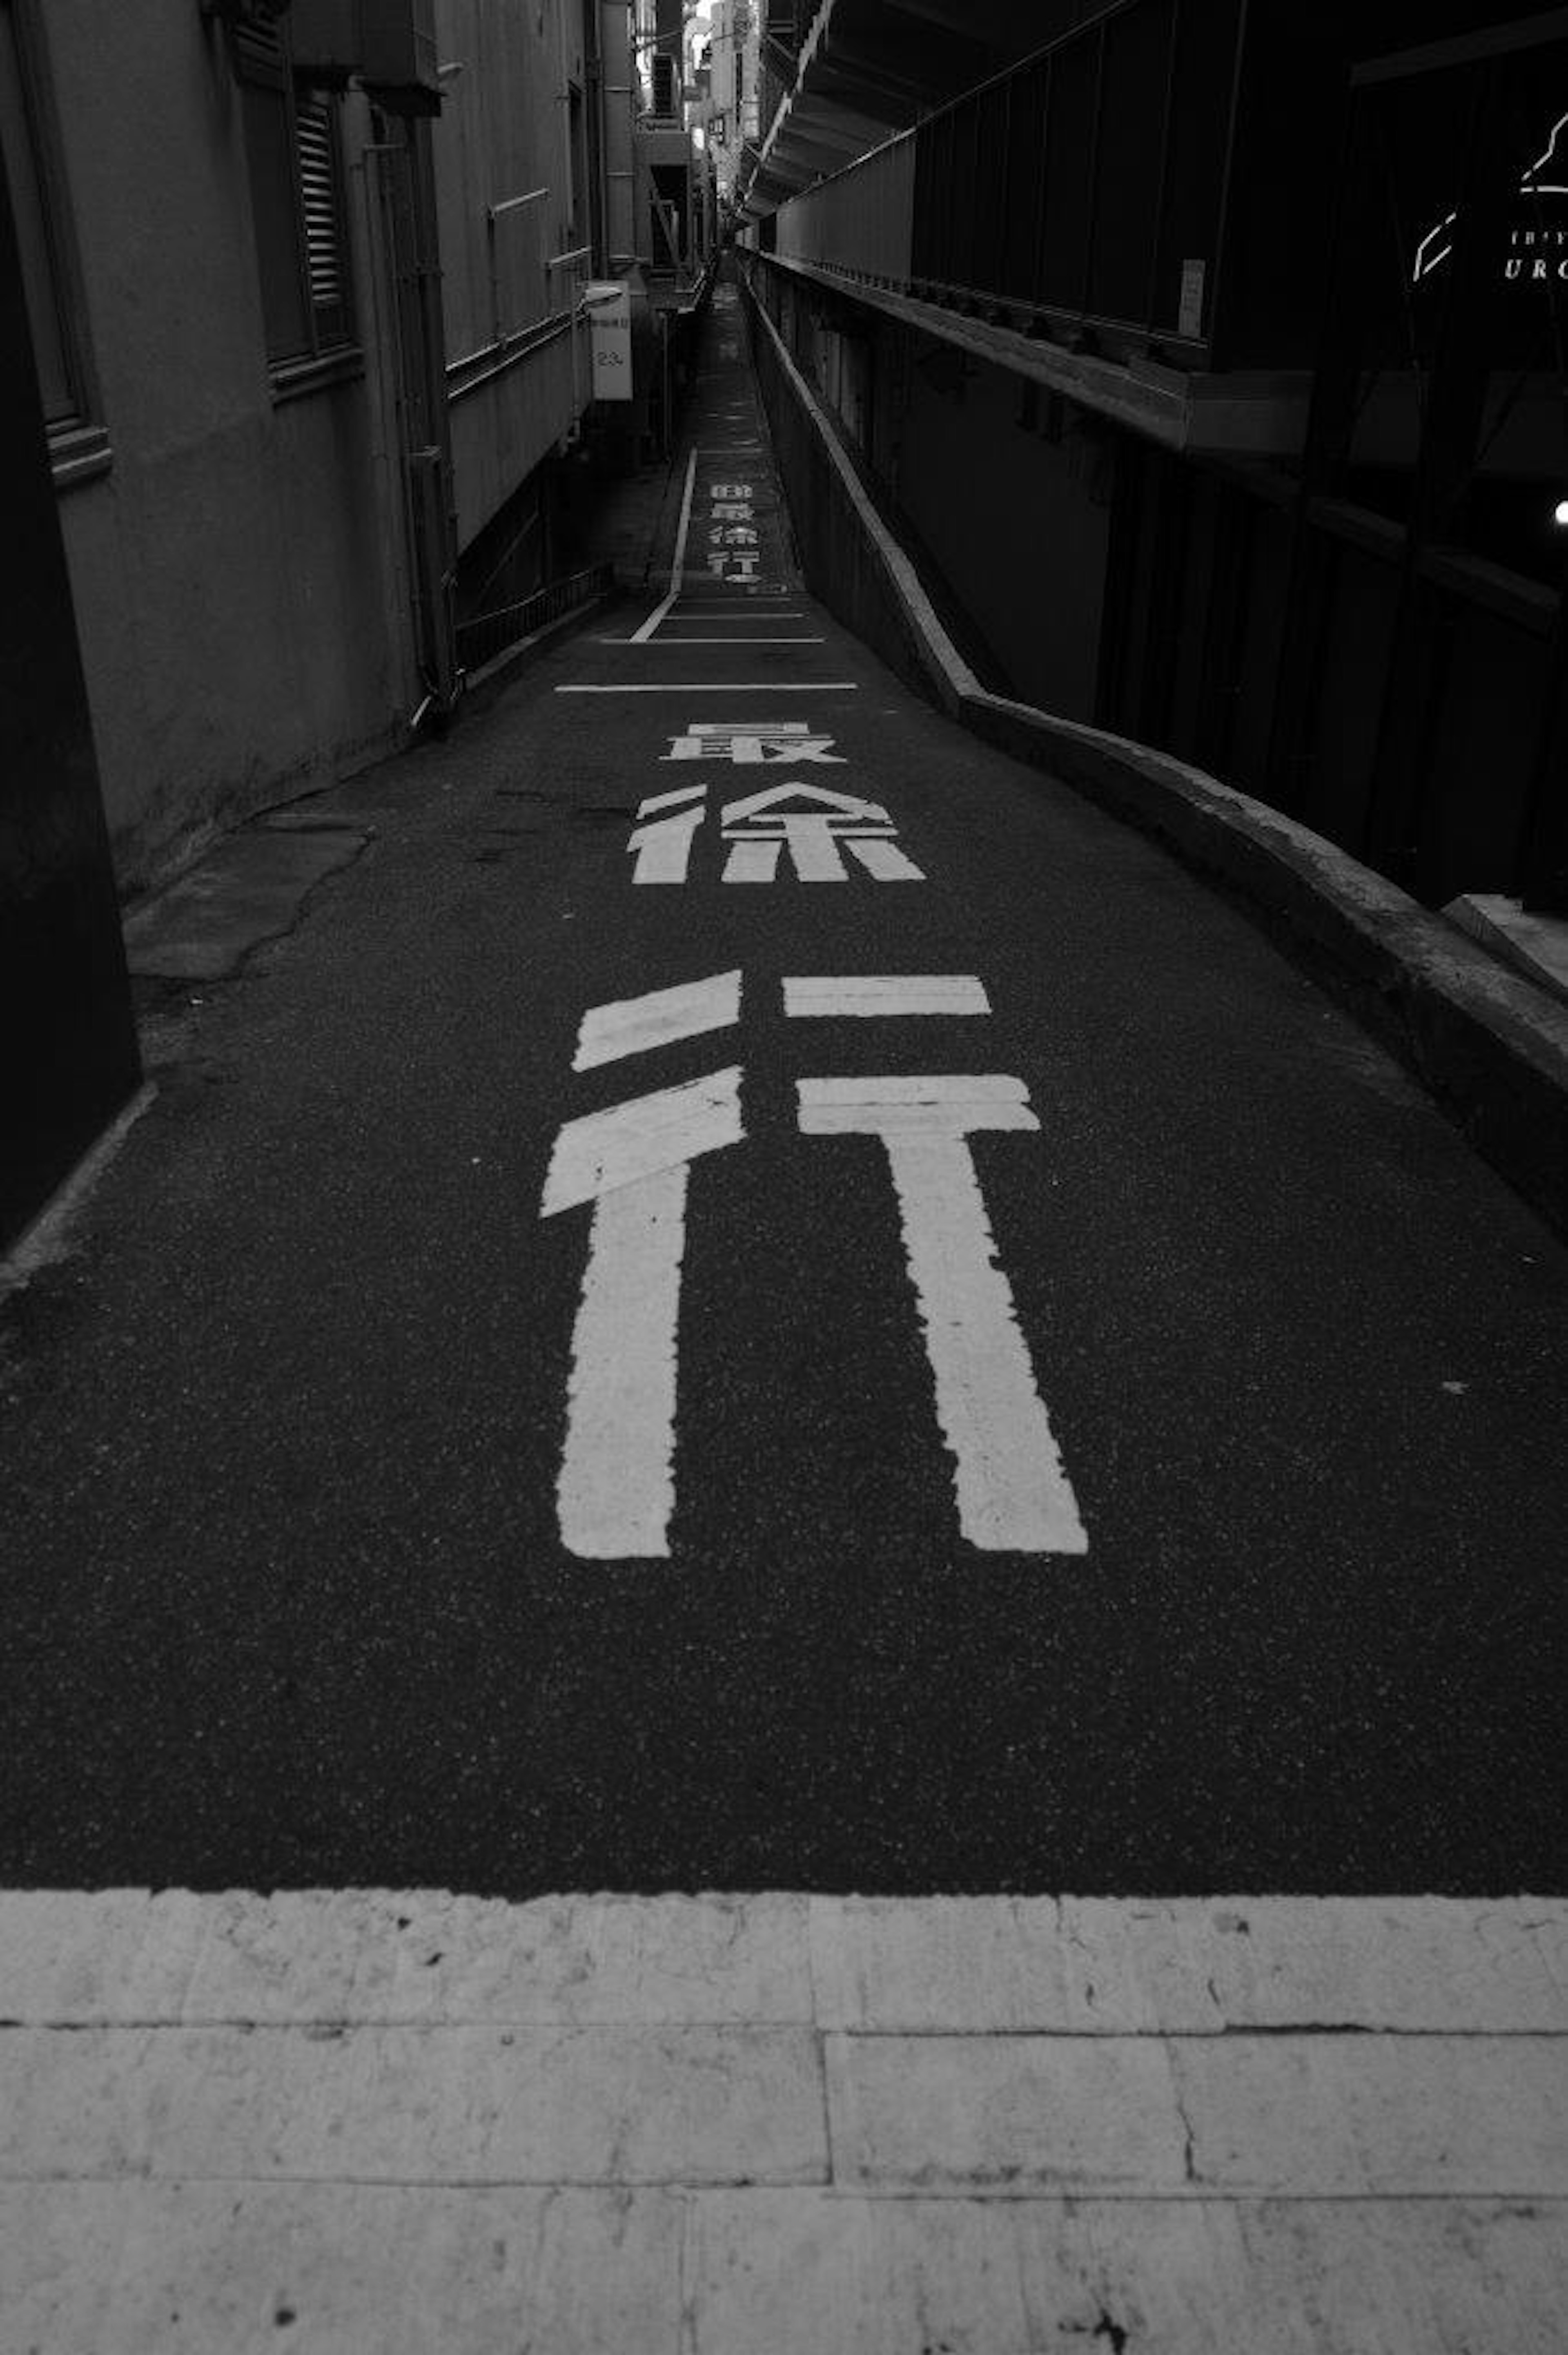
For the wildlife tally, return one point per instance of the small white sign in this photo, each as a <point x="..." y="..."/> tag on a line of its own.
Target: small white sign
<point x="610" y="337"/>
<point x="1190" y="321"/>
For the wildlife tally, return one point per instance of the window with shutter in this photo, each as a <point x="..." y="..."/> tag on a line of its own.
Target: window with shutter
<point x="322" y="203"/>
<point x="297" y="203"/>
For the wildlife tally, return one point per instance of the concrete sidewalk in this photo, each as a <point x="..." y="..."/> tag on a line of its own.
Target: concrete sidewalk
<point x="782" y="2124"/>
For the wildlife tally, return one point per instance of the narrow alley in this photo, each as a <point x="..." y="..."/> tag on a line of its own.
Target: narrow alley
<point x="758" y="1297"/>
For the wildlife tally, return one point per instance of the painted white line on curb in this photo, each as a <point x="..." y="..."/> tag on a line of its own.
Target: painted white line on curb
<point x="1013" y="1494"/>
<point x="47" y="1237"/>
<point x="657" y="616"/>
<point x="635" y="1026"/>
<point x="724" y="686"/>
<point x="885" y="993"/>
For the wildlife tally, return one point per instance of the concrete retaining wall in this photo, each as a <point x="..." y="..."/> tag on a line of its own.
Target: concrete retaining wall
<point x="1491" y="1047"/>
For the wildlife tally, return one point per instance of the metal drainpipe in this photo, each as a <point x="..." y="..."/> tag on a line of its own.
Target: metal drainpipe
<point x="446" y="680"/>
<point x="430" y="519"/>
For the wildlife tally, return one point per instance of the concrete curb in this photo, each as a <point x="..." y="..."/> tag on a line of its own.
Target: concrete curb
<point x="1490" y="1045"/>
<point x="781" y="2125"/>
<point x="481" y="687"/>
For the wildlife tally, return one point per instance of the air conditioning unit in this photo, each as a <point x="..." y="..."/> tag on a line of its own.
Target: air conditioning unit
<point x="325" y="38"/>
<point x="389" y="44"/>
<point x="400" y="51"/>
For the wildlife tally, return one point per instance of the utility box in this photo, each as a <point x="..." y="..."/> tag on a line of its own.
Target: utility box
<point x="401" y="53"/>
<point x="325" y="39"/>
<point x="390" y="46"/>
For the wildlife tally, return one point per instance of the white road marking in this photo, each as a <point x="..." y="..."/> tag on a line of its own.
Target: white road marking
<point x="608" y="1149"/>
<point x="947" y="1103"/>
<point x="885" y="861"/>
<point x="633" y="1026"/>
<point x="722" y="687"/>
<point x="656" y="616"/>
<point x="767" y="805"/>
<point x="678" y="643"/>
<point x="815" y="838"/>
<point x="754" y="743"/>
<point x="652" y="801"/>
<point x="616" y="1488"/>
<point x="1013" y="1494"/>
<point x="813" y="848"/>
<point x="884" y="994"/>
<point x="755" y="861"/>
<point x="665" y="848"/>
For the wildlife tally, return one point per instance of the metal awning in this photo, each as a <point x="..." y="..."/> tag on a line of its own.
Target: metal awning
<point x="867" y="68"/>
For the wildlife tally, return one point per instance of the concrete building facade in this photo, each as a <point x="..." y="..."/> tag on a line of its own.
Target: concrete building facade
<point x="735" y="84"/>
<point x="219" y="406"/>
<point x="313" y="323"/>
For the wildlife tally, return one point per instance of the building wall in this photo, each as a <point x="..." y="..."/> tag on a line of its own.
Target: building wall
<point x="518" y="369"/>
<point x="735" y="28"/>
<point x="235" y="568"/>
<point x="1007" y="492"/>
<point x="1011" y="497"/>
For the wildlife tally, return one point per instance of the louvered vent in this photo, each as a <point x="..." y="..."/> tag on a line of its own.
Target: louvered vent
<point x="663" y="84"/>
<point x="318" y="188"/>
<point x="259" y="53"/>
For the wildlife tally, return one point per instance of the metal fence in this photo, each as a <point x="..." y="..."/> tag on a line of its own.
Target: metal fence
<point x="480" y="640"/>
<point x="1371" y="636"/>
<point x="1077" y="189"/>
<point x="1436" y="456"/>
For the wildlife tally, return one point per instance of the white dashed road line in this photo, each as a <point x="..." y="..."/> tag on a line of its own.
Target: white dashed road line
<point x="886" y="992"/>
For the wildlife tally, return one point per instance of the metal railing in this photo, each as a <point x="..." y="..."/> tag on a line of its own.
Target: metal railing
<point x="480" y="640"/>
<point x="1075" y="188"/>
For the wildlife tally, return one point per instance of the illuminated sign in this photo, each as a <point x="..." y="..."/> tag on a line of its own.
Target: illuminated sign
<point x="1538" y="249"/>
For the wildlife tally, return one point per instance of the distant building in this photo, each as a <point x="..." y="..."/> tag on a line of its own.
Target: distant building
<point x="734" y="94"/>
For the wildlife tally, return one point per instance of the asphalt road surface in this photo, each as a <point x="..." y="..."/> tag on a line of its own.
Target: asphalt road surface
<point x="970" y="1374"/>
